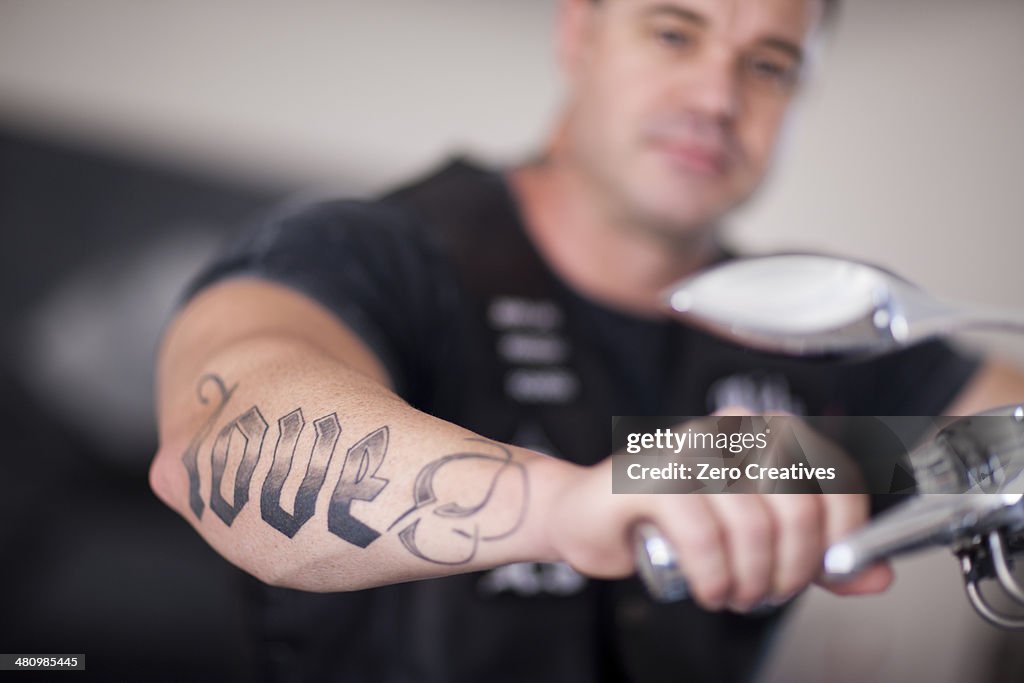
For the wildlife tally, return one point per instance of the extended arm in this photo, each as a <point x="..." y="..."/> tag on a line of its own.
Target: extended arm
<point x="281" y="443"/>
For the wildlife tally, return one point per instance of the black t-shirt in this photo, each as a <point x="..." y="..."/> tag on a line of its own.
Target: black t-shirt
<point x="442" y="283"/>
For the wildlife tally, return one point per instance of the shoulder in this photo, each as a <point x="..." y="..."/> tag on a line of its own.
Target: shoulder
<point x="331" y="223"/>
<point x="424" y="213"/>
<point x="405" y="243"/>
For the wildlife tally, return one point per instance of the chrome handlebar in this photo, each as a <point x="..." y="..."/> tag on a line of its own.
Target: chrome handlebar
<point x="970" y="479"/>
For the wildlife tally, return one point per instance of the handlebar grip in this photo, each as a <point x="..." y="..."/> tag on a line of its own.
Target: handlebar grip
<point x="658" y="565"/>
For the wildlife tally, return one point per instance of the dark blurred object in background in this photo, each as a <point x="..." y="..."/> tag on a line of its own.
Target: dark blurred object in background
<point x="96" y="249"/>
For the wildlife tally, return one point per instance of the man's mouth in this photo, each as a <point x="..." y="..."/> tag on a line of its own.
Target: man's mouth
<point x="695" y="158"/>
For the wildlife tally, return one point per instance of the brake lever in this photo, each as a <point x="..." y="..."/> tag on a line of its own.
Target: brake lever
<point x="930" y="519"/>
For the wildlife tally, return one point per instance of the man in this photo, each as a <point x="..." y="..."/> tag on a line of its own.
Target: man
<point x="442" y="340"/>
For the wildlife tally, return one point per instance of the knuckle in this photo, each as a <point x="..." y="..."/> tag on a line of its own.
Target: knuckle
<point x="796" y="578"/>
<point x="802" y="513"/>
<point x="851" y="509"/>
<point x="791" y="584"/>
<point x="712" y="590"/>
<point x="750" y="592"/>
<point x="701" y="539"/>
<point x="756" y="531"/>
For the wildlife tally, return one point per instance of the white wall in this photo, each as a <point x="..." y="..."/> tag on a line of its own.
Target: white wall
<point x="348" y="92"/>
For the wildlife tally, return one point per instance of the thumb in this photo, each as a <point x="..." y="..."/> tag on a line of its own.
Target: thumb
<point x="875" y="579"/>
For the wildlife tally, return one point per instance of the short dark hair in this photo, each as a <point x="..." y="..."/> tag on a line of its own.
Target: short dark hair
<point x="828" y="16"/>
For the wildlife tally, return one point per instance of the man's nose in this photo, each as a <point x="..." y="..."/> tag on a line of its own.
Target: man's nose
<point x="713" y="89"/>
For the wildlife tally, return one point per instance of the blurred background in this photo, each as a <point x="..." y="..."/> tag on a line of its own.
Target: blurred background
<point x="135" y="136"/>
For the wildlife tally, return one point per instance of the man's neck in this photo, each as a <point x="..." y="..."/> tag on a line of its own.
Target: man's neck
<point x="611" y="260"/>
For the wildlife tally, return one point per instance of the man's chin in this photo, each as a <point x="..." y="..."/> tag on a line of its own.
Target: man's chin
<point x="680" y="212"/>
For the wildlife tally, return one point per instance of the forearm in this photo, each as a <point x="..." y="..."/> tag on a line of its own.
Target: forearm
<point x="310" y="475"/>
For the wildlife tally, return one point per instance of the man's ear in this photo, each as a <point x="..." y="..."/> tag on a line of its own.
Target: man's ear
<point x="574" y="19"/>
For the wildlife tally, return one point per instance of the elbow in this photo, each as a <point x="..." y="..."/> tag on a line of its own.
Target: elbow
<point x="168" y="480"/>
<point x="279" y="576"/>
<point x="161" y="479"/>
<point x="272" y="575"/>
<point x="309" y="574"/>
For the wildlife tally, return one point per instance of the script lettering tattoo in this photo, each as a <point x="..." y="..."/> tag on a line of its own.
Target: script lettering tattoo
<point x="358" y="482"/>
<point x="191" y="454"/>
<point x="290" y="427"/>
<point x="432" y="521"/>
<point x="444" y="509"/>
<point x="252" y="428"/>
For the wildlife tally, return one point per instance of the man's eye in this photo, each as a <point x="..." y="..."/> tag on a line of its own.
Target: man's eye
<point x="674" y="38"/>
<point x="771" y="70"/>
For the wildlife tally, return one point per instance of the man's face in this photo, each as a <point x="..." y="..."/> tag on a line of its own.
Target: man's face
<point x="676" y="105"/>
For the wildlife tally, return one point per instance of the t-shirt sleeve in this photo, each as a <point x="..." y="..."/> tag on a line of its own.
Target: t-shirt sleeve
<point x="364" y="261"/>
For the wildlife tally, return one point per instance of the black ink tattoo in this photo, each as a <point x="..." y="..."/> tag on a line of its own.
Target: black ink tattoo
<point x="358" y="482"/>
<point x="190" y="457"/>
<point x="467" y="522"/>
<point x="252" y="427"/>
<point x="422" y="526"/>
<point x="290" y="427"/>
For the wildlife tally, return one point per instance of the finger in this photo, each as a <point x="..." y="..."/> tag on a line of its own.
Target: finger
<point x="800" y="521"/>
<point x="695" y="532"/>
<point x="732" y="410"/>
<point x="874" y="579"/>
<point x="844" y="512"/>
<point x="749" y="528"/>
